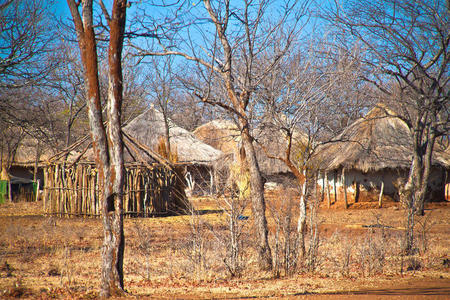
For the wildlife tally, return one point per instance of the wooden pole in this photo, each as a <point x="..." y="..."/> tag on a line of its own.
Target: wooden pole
<point x="344" y="185"/>
<point x="37" y="189"/>
<point x="316" y="191"/>
<point x="36" y="161"/>
<point x="357" y="188"/>
<point x="328" y="189"/>
<point x="380" y="198"/>
<point x="211" y="177"/>
<point x="334" y="185"/>
<point x="323" y="190"/>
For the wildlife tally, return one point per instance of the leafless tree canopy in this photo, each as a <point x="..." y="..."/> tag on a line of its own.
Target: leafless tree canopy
<point x="27" y="37"/>
<point x="407" y="44"/>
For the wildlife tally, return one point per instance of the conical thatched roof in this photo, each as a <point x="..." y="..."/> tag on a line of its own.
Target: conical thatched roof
<point x="82" y="151"/>
<point x="27" y="151"/>
<point x="148" y="127"/>
<point x="377" y="141"/>
<point x="225" y="135"/>
<point x="220" y="134"/>
<point x="141" y="137"/>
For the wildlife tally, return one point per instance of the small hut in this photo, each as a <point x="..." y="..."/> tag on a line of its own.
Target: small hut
<point x="197" y="157"/>
<point x="370" y="161"/>
<point x="152" y="185"/>
<point x="23" y="169"/>
<point x="225" y="135"/>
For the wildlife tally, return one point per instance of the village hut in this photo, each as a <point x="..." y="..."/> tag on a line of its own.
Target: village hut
<point x="22" y="169"/>
<point x="152" y="184"/>
<point x="225" y="135"/>
<point x="195" y="156"/>
<point x="370" y="161"/>
<point x="272" y="142"/>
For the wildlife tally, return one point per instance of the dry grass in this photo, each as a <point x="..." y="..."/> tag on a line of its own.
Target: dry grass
<point x="60" y="258"/>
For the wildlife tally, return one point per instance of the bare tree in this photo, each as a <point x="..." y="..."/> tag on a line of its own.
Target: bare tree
<point x="162" y="84"/>
<point x="235" y="38"/>
<point x="26" y="38"/>
<point x="309" y="97"/>
<point x="407" y="45"/>
<point x="107" y="142"/>
<point x="66" y="83"/>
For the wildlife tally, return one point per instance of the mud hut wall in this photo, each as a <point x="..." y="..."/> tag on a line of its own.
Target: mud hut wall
<point x="75" y="191"/>
<point x="366" y="186"/>
<point x="362" y="186"/>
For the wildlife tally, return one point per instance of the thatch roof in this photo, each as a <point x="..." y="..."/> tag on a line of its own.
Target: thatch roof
<point x="27" y="150"/>
<point x="271" y="141"/>
<point x="148" y="127"/>
<point x="82" y="152"/>
<point x="225" y="135"/>
<point x="375" y="142"/>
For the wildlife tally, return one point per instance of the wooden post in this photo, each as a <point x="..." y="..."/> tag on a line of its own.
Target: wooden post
<point x="37" y="189"/>
<point x="380" y="198"/>
<point x="334" y="185"/>
<point x="211" y="177"/>
<point x="328" y="189"/>
<point x="36" y="161"/>
<point x="316" y="175"/>
<point x="344" y="185"/>
<point x="357" y="190"/>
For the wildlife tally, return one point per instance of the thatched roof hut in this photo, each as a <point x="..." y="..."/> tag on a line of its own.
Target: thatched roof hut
<point x="25" y="164"/>
<point x="225" y="135"/>
<point x="371" y="158"/>
<point x="148" y="127"/>
<point x="28" y="151"/>
<point x="372" y="143"/>
<point x="220" y="134"/>
<point x="271" y="141"/>
<point x="153" y="185"/>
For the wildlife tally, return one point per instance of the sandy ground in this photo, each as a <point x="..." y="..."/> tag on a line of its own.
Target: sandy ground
<point x="48" y="257"/>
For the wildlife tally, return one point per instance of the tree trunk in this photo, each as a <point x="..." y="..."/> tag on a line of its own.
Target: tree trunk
<point x="301" y="224"/>
<point x="108" y="148"/>
<point x="427" y="165"/>
<point x="114" y="243"/>
<point x="258" y="203"/>
<point x="417" y="184"/>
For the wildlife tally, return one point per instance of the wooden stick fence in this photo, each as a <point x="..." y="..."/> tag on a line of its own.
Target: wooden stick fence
<point x="74" y="191"/>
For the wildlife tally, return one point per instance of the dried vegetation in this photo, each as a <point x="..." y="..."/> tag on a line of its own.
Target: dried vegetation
<point x="187" y="256"/>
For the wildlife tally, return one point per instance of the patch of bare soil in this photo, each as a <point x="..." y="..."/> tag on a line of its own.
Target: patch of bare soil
<point x="358" y="256"/>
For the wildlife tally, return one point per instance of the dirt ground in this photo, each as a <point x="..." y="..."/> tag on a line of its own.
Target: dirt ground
<point x="358" y="256"/>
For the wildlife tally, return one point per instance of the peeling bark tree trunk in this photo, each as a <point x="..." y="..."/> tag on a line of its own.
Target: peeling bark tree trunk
<point x="258" y="203"/>
<point x="107" y="143"/>
<point x="301" y="225"/>
<point x="114" y="241"/>
<point x="417" y="185"/>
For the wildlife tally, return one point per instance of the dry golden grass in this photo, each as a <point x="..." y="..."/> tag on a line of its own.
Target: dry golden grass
<point x="42" y="257"/>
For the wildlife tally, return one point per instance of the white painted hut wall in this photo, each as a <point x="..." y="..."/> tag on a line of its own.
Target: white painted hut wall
<point x="367" y="181"/>
<point x="371" y="181"/>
